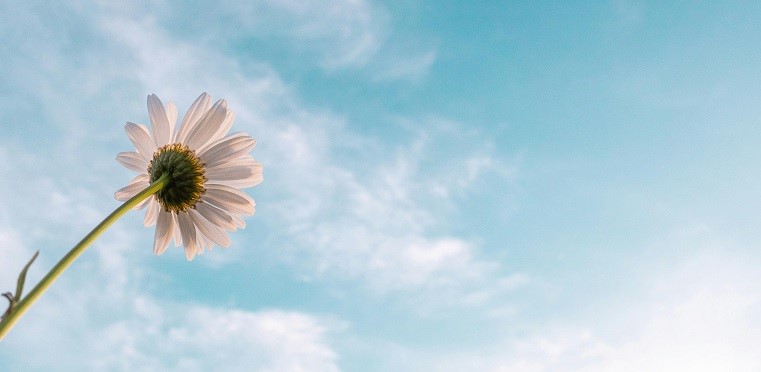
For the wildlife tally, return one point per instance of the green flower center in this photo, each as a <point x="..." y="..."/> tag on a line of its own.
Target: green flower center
<point x="186" y="177"/>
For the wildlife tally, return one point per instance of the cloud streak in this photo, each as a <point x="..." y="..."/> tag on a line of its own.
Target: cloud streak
<point x="354" y="35"/>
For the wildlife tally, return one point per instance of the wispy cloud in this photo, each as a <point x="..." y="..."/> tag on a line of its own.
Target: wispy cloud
<point x="381" y="223"/>
<point x="697" y="315"/>
<point x="357" y="35"/>
<point x="110" y="326"/>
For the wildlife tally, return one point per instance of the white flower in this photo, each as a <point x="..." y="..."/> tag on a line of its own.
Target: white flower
<point x="207" y="167"/>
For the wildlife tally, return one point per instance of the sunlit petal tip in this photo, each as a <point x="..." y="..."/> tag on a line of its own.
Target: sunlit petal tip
<point x="190" y="253"/>
<point x="171" y="113"/>
<point x="141" y="139"/>
<point x="159" y="121"/>
<point x="132" y="160"/>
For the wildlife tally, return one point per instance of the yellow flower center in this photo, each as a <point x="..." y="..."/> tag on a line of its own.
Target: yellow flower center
<point x="186" y="177"/>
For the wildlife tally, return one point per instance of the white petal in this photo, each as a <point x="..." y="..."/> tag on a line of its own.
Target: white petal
<point x="203" y="242"/>
<point x="244" y="183"/>
<point x="139" y="183"/>
<point x="188" y="231"/>
<point x="228" y="173"/>
<point x="229" y="199"/>
<point x="215" y="215"/>
<point x="171" y="116"/>
<point x="176" y="230"/>
<point x="231" y="148"/>
<point x="159" y="121"/>
<point x="190" y="253"/>
<point x="201" y="151"/>
<point x="141" y="139"/>
<point x="221" y="132"/>
<point x="195" y="112"/>
<point x="164" y="231"/>
<point x="142" y="204"/>
<point x="255" y="178"/>
<point x="238" y="221"/>
<point x="207" y="126"/>
<point x="236" y="176"/>
<point x="225" y="127"/>
<point x="210" y="230"/>
<point x="152" y="212"/>
<point x="132" y="161"/>
<point x="241" y="161"/>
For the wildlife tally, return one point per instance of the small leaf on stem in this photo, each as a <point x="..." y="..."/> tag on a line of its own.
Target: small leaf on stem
<point x="13" y="300"/>
<point x="22" y="277"/>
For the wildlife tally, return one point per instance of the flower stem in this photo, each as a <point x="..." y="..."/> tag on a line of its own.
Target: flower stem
<point x="9" y="321"/>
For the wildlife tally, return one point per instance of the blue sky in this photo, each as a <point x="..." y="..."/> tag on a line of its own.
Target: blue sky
<point x="504" y="186"/>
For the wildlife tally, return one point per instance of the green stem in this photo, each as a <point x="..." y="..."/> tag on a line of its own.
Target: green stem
<point x="9" y="321"/>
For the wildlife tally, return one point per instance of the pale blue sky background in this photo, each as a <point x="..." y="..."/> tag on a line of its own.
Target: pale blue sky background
<point x="505" y="186"/>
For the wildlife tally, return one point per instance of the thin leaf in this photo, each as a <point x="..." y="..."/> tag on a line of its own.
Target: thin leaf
<point x="22" y="278"/>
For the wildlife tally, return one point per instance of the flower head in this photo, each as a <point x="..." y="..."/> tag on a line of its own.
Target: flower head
<point x="206" y="168"/>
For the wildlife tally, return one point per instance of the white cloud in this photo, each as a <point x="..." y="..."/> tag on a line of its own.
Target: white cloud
<point x="381" y="223"/>
<point x="289" y="341"/>
<point x="407" y="65"/>
<point x="701" y="317"/>
<point x="196" y="338"/>
<point x="346" y="32"/>
<point x="97" y="331"/>
<point x="700" y="314"/>
<point x="336" y="35"/>
<point x="97" y="316"/>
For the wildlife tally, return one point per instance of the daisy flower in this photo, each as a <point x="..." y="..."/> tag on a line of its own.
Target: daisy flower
<point x="207" y="168"/>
